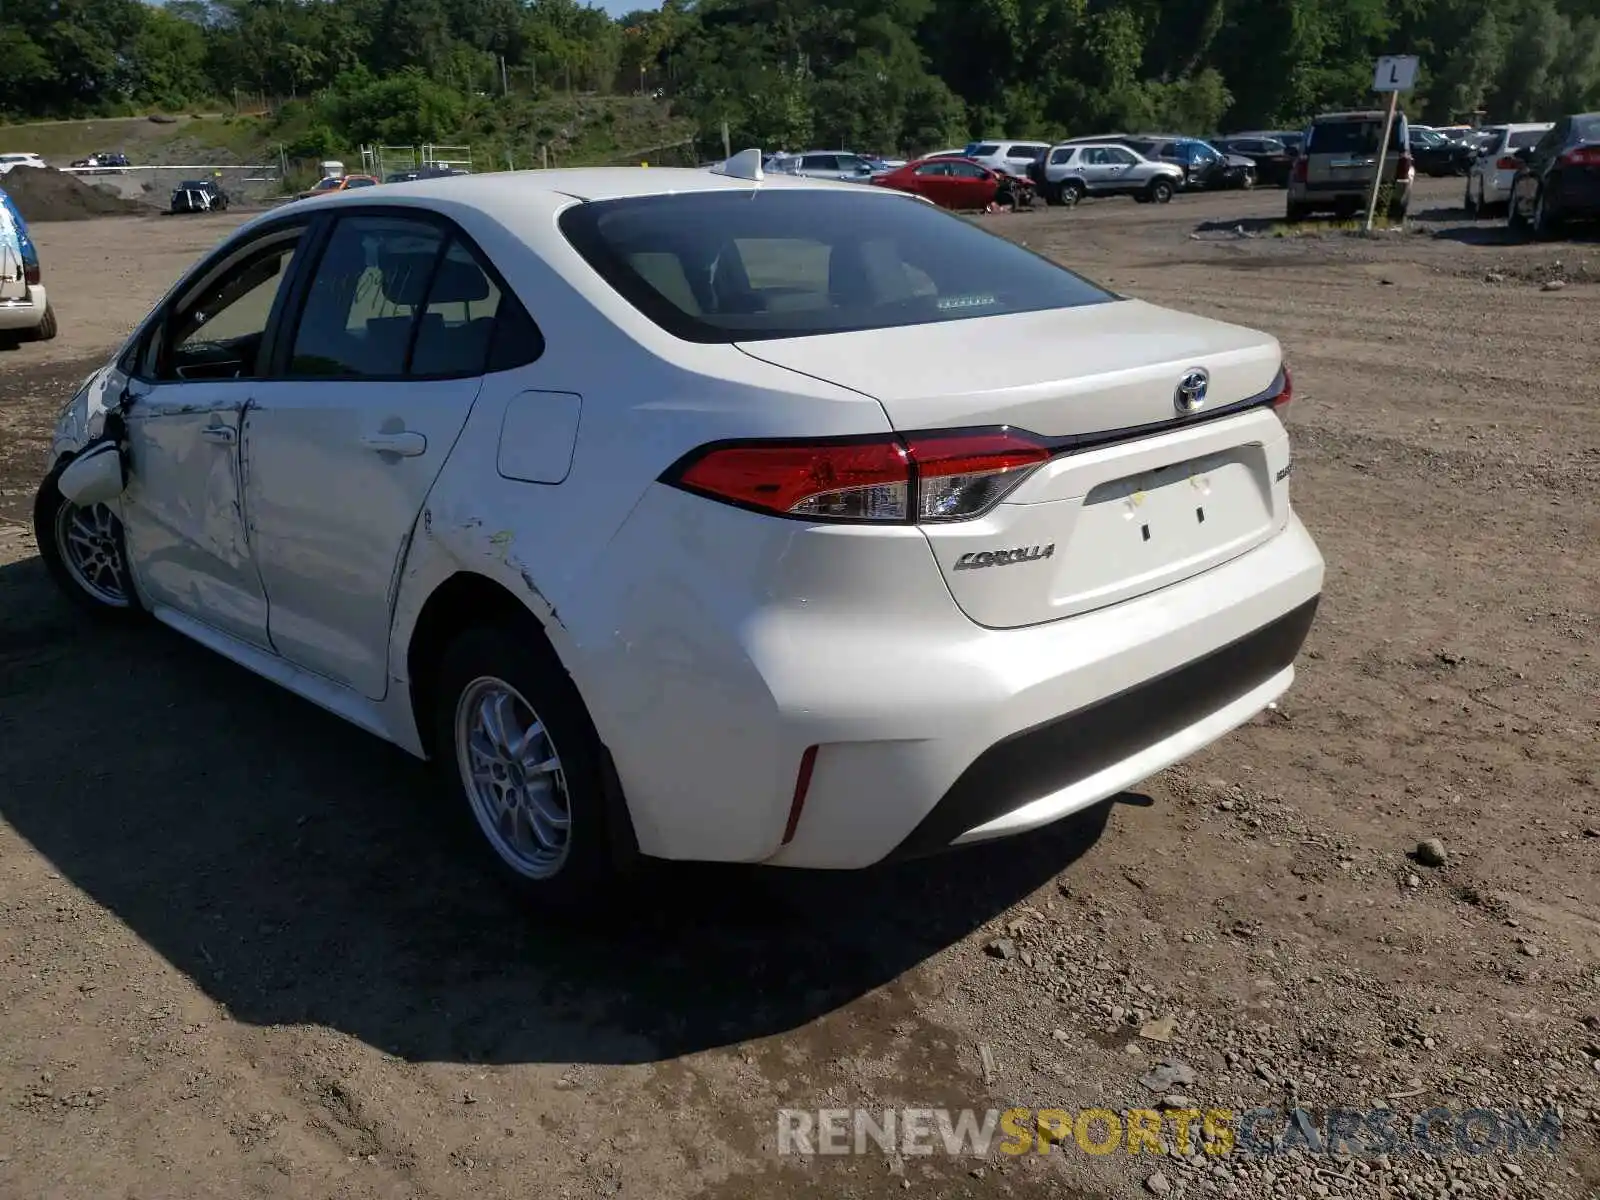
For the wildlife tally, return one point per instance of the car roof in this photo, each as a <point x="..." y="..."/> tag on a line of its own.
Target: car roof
<point x="511" y="197"/>
<point x="1371" y="114"/>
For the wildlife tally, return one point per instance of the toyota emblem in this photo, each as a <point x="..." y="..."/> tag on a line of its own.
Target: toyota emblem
<point x="1191" y="394"/>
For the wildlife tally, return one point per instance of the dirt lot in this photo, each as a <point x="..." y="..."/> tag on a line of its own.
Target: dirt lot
<point x="240" y="955"/>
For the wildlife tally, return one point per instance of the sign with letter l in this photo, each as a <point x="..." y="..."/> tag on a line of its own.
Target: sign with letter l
<point x="1395" y="73"/>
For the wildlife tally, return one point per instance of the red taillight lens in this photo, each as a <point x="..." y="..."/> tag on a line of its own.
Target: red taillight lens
<point x="923" y="477"/>
<point x="1508" y="163"/>
<point x="961" y="475"/>
<point x="1301" y="168"/>
<point x="1406" y="168"/>
<point x="1583" y="156"/>
<point x="853" y="481"/>
<point x="30" y="274"/>
<point x="1285" y="391"/>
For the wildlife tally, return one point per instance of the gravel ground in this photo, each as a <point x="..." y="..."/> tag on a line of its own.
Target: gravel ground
<point x="239" y="954"/>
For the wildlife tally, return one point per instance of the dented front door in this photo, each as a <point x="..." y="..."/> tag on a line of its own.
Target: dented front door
<point x="181" y="512"/>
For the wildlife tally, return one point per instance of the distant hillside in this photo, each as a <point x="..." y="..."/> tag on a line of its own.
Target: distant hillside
<point x="576" y="130"/>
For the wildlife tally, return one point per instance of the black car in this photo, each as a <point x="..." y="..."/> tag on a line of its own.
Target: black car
<point x="1437" y="155"/>
<point x="198" y="195"/>
<point x="1273" y="159"/>
<point x="1203" y="165"/>
<point x="1560" y="177"/>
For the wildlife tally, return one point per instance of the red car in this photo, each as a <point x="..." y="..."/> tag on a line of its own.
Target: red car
<point x="948" y="182"/>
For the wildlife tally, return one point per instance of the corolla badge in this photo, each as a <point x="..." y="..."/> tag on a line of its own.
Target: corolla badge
<point x="1191" y="394"/>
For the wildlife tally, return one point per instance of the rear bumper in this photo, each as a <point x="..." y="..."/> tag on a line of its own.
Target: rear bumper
<point x="1093" y="705"/>
<point x="1580" y="195"/>
<point x="24" y="314"/>
<point x="1042" y="774"/>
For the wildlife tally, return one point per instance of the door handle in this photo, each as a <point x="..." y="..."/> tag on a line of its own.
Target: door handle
<point x="224" y="435"/>
<point x="405" y="443"/>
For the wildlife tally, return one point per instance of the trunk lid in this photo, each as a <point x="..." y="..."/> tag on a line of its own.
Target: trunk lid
<point x="1099" y="525"/>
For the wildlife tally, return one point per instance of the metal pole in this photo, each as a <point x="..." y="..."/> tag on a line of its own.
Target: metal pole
<point x="1383" y="150"/>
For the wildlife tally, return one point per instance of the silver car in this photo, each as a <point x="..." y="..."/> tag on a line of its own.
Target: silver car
<point x="1074" y="170"/>
<point x="825" y="164"/>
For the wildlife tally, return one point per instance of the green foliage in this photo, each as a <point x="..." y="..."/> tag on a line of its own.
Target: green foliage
<point x="890" y="75"/>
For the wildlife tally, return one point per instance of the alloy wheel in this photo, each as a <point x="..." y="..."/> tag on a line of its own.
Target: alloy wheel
<point x="513" y="778"/>
<point x="89" y="541"/>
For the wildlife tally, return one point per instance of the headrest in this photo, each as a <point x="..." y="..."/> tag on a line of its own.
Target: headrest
<point x="405" y="276"/>
<point x="458" y="282"/>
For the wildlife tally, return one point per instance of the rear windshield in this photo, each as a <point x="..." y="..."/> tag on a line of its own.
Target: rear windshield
<point x="1523" y="138"/>
<point x="779" y="263"/>
<point x="1587" y="127"/>
<point x="1351" y="137"/>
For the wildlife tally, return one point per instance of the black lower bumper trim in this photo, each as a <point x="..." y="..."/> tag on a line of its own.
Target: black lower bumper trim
<point x="1038" y="761"/>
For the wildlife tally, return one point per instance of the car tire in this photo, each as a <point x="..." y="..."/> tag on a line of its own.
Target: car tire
<point x="85" y="552"/>
<point x="47" y="328"/>
<point x="518" y="756"/>
<point x="1546" y="218"/>
<point x="1470" y="204"/>
<point x="1294" y="213"/>
<point x="1160" y="191"/>
<point x="1070" y="193"/>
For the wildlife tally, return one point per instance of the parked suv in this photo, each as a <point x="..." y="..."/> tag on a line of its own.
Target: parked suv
<point x="1076" y="169"/>
<point x="1334" y="172"/>
<point x="25" y="311"/>
<point x="1014" y="158"/>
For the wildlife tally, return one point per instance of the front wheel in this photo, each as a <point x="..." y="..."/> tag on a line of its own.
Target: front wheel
<point x="84" y="551"/>
<point x="518" y="755"/>
<point x="1160" y="191"/>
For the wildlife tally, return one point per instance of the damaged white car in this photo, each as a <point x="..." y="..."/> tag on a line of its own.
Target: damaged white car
<point x="696" y="514"/>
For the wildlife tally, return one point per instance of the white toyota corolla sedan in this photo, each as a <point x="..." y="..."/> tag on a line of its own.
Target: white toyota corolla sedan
<point x="699" y="515"/>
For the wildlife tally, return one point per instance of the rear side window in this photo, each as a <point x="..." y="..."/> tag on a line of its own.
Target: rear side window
<point x="1524" y="138"/>
<point x="743" y="266"/>
<point x="394" y="297"/>
<point x="983" y="150"/>
<point x="1353" y="137"/>
<point x="1061" y="156"/>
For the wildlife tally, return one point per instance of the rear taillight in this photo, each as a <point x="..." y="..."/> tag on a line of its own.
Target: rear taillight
<point x="1508" y="163"/>
<point x="1300" y="170"/>
<point x="926" y="477"/>
<point x="1582" y="156"/>
<point x="1285" y="390"/>
<point x="1406" y="168"/>
<point x="30" y="274"/>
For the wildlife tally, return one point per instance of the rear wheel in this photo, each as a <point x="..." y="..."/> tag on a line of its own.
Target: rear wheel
<point x="518" y="755"/>
<point x="1546" y="216"/>
<point x="46" y="329"/>
<point x="1069" y="193"/>
<point x="1296" y="213"/>
<point x="1160" y="191"/>
<point x="84" y="551"/>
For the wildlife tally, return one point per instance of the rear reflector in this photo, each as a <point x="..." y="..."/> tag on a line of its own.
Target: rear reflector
<point x="802" y="785"/>
<point x="1285" y="391"/>
<point x="917" y="478"/>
